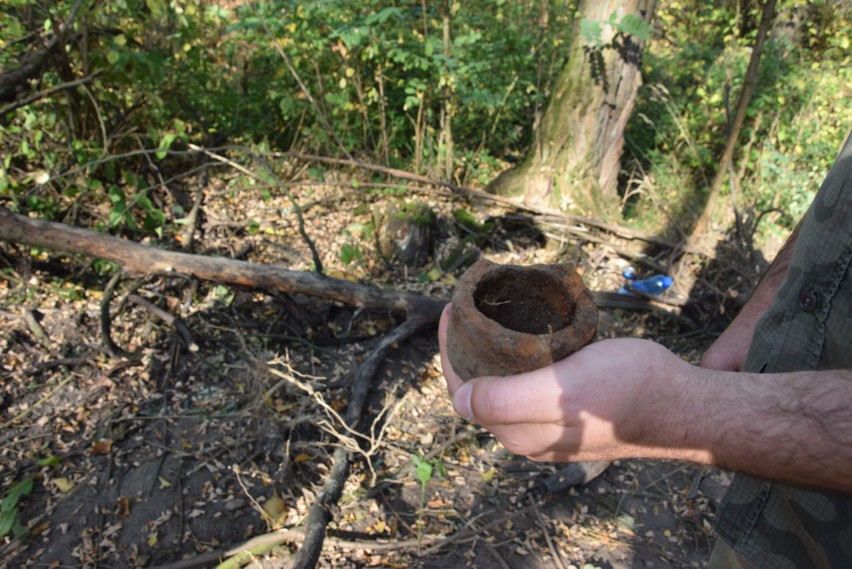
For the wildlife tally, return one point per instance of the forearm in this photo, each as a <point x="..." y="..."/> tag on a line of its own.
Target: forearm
<point x="790" y="427"/>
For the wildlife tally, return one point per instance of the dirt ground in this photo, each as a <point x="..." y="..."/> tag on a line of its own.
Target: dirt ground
<point x="171" y="457"/>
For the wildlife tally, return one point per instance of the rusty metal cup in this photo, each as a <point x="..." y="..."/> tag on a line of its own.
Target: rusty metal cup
<point x="508" y="319"/>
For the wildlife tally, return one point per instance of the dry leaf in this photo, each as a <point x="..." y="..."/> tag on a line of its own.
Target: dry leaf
<point x="103" y="446"/>
<point x="63" y="485"/>
<point x="275" y="508"/>
<point x="301" y="457"/>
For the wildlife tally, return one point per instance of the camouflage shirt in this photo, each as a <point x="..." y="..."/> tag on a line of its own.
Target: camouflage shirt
<point x="807" y="327"/>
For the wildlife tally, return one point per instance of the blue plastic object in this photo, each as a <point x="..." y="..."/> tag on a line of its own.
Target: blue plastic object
<point x="654" y="285"/>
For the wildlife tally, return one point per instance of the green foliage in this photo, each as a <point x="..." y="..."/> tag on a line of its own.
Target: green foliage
<point x="9" y="522"/>
<point x="350" y="252"/>
<point x="629" y="24"/>
<point x="377" y="77"/>
<point x="160" y="74"/>
<point x="424" y="470"/>
<point x="798" y="117"/>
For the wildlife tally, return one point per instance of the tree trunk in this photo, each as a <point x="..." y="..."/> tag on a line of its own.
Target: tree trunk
<point x="574" y="162"/>
<point x="447" y="95"/>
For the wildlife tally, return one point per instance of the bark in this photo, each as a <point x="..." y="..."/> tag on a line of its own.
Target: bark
<point x="135" y="258"/>
<point x="575" y="159"/>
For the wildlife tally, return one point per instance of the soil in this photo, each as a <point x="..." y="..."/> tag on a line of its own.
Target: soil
<point x="532" y="302"/>
<point x="171" y="455"/>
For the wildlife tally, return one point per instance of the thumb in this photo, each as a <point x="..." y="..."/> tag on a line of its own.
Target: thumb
<point x="525" y="398"/>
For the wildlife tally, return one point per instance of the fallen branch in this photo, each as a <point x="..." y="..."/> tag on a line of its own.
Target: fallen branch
<point x="35" y="328"/>
<point x="554" y="214"/>
<point x="175" y="321"/>
<point x="135" y="258"/>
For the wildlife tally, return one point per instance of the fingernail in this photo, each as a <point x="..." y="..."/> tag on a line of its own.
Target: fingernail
<point x="461" y="401"/>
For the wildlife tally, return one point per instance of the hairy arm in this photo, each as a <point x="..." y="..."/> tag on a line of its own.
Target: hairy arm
<point x="631" y="398"/>
<point x="790" y="427"/>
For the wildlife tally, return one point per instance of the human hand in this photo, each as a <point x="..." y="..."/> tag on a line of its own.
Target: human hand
<point x="607" y="401"/>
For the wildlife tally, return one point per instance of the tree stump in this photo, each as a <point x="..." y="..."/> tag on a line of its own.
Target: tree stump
<point x="406" y="233"/>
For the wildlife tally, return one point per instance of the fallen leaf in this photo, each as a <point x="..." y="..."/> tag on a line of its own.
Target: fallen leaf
<point x="63" y="485"/>
<point x="103" y="446"/>
<point x="275" y="508"/>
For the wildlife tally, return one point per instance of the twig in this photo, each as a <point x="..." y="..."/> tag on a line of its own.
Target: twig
<point x="302" y="231"/>
<point x="49" y="92"/>
<point x="270" y="540"/>
<point x="34" y="326"/>
<point x="625" y="232"/>
<point x="176" y="321"/>
<point x="192" y="218"/>
<point x="320" y="513"/>
<point x="61" y="362"/>
<point x="557" y="558"/>
<point x="37" y="404"/>
<point x="280" y="184"/>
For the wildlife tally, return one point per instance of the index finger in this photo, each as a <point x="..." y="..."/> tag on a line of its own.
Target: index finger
<point x="453" y="380"/>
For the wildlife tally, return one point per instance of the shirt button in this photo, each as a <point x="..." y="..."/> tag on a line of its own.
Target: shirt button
<point x="808" y="300"/>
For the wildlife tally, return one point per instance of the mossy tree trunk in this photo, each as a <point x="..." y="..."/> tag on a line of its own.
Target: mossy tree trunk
<point x="574" y="161"/>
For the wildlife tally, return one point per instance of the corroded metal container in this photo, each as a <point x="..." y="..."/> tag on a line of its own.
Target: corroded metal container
<point x="508" y="319"/>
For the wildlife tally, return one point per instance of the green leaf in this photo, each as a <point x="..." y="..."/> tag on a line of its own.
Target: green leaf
<point x="635" y="26"/>
<point x="7" y="520"/>
<point x="116" y="195"/>
<point x="156" y="6"/>
<point x="51" y="460"/>
<point x="349" y="253"/>
<point x="165" y="144"/>
<point x="382" y="16"/>
<point x="22" y="488"/>
<point x="423" y="471"/>
<point x="591" y="31"/>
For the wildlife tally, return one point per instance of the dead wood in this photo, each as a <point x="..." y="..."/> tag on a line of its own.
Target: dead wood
<point x="552" y="215"/>
<point x="106" y="318"/>
<point x="135" y="258"/>
<point x="320" y="513"/>
<point x="141" y="259"/>
<point x="35" y="328"/>
<point x="176" y="321"/>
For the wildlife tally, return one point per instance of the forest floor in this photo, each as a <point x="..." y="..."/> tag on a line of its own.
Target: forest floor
<point x="167" y="458"/>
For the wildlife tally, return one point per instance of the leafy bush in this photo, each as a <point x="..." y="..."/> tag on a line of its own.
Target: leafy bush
<point x="797" y="119"/>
